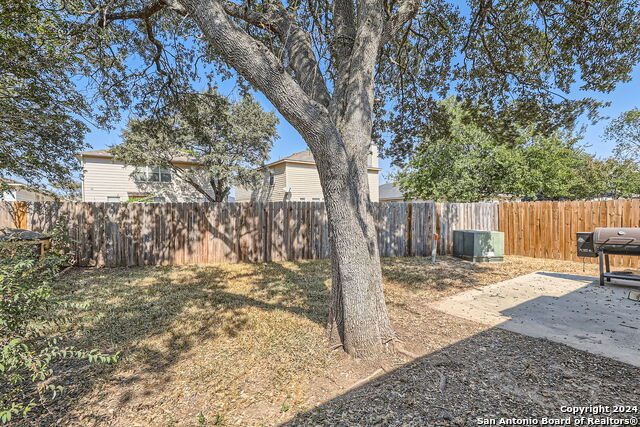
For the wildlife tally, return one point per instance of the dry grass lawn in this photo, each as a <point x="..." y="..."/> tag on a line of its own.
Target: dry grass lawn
<point x="242" y="344"/>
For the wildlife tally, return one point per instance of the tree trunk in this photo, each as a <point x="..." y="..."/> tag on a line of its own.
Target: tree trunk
<point x="358" y="315"/>
<point x="220" y="189"/>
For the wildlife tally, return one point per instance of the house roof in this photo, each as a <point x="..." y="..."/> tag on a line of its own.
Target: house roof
<point x="12" y="181"/>
<point x="301" y="157"/>
<point x="105" y="154"/>
<point x="390" y="192"/>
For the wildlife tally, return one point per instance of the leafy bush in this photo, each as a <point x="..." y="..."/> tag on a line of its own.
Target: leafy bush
<point x="31" y="328"/>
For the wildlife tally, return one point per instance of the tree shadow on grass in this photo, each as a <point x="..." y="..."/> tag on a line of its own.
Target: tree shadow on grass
<point x="155" y="316"/>
<point x="420" y="273"/>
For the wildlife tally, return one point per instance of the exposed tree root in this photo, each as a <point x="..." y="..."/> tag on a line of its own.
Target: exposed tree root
<point x="397" y="346"/>
<point x="369" y="378"/>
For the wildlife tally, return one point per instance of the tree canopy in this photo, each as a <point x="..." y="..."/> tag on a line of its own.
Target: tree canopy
<point x="40" y="108"/>
<point x="624" y="131"/>
<point x="514" y="63"/>
<point x="229" y="140"/>
<point x="469" y="164"/>
<point x="610" y="177"/>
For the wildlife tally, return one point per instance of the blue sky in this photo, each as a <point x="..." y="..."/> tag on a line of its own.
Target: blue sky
<point x="625" y="97"/>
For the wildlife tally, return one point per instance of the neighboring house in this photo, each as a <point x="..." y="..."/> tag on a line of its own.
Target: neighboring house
<point x="20" y="192"/>
<point x="107" y="180"/>
<point x="295" y="178"/>
<point x="390" y="193"/>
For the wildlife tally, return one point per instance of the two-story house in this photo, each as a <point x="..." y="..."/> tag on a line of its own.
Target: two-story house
<point x="296" y="178"/>
<point x="107" y="180"/>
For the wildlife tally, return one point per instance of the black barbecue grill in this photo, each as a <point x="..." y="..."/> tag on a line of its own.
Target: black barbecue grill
<point x="607" y="241"/>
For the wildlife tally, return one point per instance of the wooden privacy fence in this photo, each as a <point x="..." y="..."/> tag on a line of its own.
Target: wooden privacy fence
<point x="548" y="229"/>
<point x="130" y="234"/>
<point x="121" y="234"/>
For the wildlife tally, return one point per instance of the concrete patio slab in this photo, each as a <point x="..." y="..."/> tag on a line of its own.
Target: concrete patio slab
<point x="569" y="309"/>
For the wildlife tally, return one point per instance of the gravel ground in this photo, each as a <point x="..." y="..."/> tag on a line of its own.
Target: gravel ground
<point x="491" y="375"/>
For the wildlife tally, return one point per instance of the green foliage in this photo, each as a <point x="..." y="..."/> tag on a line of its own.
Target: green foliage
<point x="40" y="108"/>
<point x="468" y="164"/>
<point x="228" y="139"/>
<point x="218" y="420"/>
<point x="513" y="62"/>
<point x="30" y="327"/>
<point x="146" y="199"/>
<point x="201" y="419"/>
<point x="609" y="177"/>
<point x="624" y="131"/>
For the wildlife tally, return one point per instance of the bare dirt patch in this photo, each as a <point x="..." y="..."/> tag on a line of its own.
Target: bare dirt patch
<point x="244" y="344"/>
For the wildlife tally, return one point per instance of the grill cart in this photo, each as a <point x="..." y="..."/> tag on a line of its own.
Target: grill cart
<point x="605" y="241"/>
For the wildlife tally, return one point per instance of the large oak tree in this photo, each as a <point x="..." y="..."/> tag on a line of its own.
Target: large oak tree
<point x="346" y="71"/>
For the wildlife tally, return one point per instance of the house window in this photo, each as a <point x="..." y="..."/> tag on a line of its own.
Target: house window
<point x="272" y="180"/>
<point x="113" y="199"/>
<point x="316" y="199"/>
<point x="152" y="174"/>
<point x="302" y="199"/>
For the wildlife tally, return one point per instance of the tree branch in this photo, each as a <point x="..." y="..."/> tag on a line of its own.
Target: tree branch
<point x="274" y="19"/>
<point x="295" y="41"/>
<point x="159" y="48"/>
<point x="406" y="11"/>
<point x="353" y="94"/>
<point x="264" y="20"/>
<point x="182" y="174"/>
<point x="344" y="20"/>
<point x="260" y="67"/>
<point x="143" y="13"/>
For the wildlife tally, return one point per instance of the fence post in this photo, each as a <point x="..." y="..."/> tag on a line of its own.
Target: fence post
<point x="409" y="248"/>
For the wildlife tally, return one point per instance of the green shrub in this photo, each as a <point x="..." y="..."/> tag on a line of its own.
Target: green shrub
<point x="31" y="329"/>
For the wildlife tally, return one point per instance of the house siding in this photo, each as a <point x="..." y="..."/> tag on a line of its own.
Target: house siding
<point x="8" y="196"/>
<point x="243" y="194"/>
<point x="299" y="173"/>
<point x="304" y="181"/>
<point x="266" y="192"/>
<point x="23" y="195"/>
<point x="374" y="184"/>
<point x="104" y="178"/>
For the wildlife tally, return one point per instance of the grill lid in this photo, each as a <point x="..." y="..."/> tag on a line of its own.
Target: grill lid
<point x="616" y="236"/>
